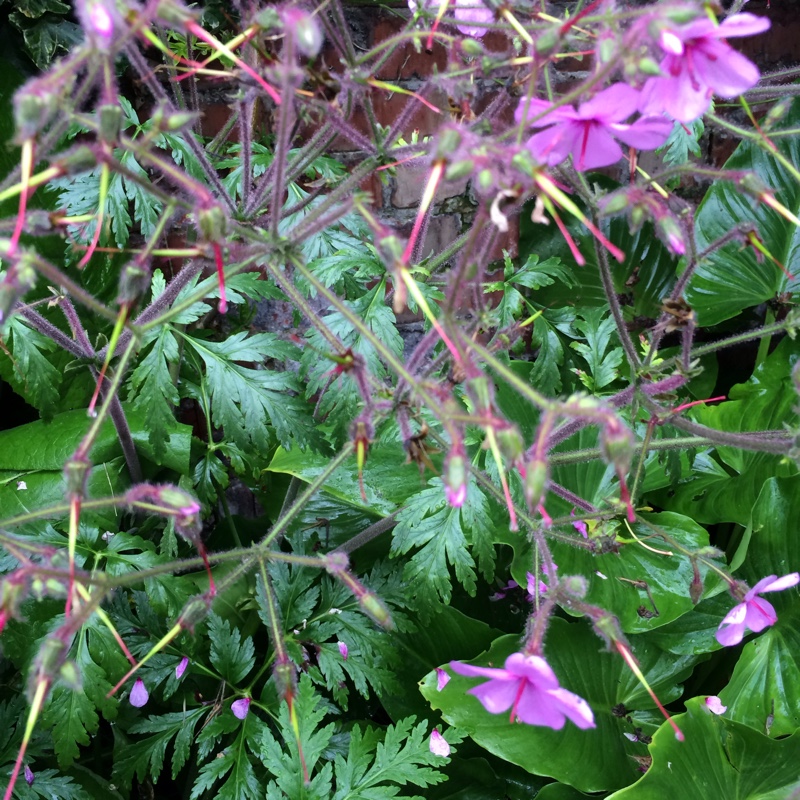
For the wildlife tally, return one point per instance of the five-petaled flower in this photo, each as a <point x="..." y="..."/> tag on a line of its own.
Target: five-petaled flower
<point x="700" y="63"/>
<point x="754" y="612"/>
<point x="528" y="686"/>
<point x="590" y="134"/>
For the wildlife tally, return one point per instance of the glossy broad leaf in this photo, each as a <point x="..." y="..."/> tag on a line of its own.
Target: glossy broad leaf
<point x="719" y="759"/>
<point x="735" y="277"/>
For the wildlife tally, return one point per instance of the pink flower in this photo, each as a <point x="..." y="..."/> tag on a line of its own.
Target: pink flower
<point x="343" y="650"/>
<point x="438" y="745"/>
<point x="181" y="668"/>
<point x="754" y="613"/>
<point x="589" y="134"/>
<point x="714" y="705"/>
<point x="442" y="679"/>
<point x="529" y="687"/>
<point x="472" y="16"/>
<point x="700" y="63"/>
<point x="139" y="694"/>
<point x="240" y="707"/>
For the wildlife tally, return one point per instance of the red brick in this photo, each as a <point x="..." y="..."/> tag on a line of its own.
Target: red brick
<point x="410" y="182"/>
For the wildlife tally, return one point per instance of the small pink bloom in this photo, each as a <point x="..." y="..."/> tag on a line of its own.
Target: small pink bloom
<point x="181" y="668"/>
<point x="139" y="694"/>
<point x="532" y="583"/>
<point x="754" y="612"/>
<point x="456" y="497"/>
<point x="580" y="525"/>
<point x="343" y="650"/>
<point x="442" y="679"/>
<point x="700" y="63"/>
<point x="590" y="134"/>
<point x="529" y="687"/>
<point x="438" y="745"/>
<point x="240" y="707"/>
<point x="715" y="706"/>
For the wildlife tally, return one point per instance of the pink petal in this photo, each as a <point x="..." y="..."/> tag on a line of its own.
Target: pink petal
<point x="442" y="679"/>
<point x="715" y="706"/>
<point x="438" y="745"/>
<point x="743" y="25"/>
<point x="760" y="614"/>
<point x="553" y="145"/>
<point x="497" y="696"/>
<point x="343" y="650"/>
<point x="573" y="707"/>
<point x="181" y="668"/>
<point x="533" y="669"/>
<point x="725" y="71"/>
<point x="676" y="96"/>
<point x="240" y="707"/>
<point x="778" y="585"/>
<point x="647" y="133"/>
<point x="598" y="148"/>
<point x="139" y="694"/>
<point x="536" y="707"/>
<point x="731" y="629"/>
<point x="536" y="107"/>
<point x="760" y="587"/>
<point x="472" y="17"/>
<point x="485" y="672"/>
<point x="614" y="104"/>
<point x="671" y="42"/>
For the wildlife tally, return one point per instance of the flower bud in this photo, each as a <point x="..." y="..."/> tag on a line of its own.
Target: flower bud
<point x="647" y="66"/>
<point x="471" y="47"/>
<point x="671" y="234"/>
<point x="17" y="282"/>
<point x="374" y="608"/>
<point x="449" y="141"/>
<point x="109" y="122"/>
<point x="29" y="776"/>
<point x="33" y="110"/>
<point x="212" y="223"/>
<point x="336" y="562"/>
<point x="459" y="169"/>
<point x="575" y="585"/>
<point x="455" y="479"/>
<point x="547" y="41"/>
<point x="696" y="586"/>
<point x="76" y="473"/>
<point x="134" y="281"/>
<point x="78" y="159"/>
<point x="616" y="444"/>
<point x="537" y="475"/>
<point x="306" y="31"/>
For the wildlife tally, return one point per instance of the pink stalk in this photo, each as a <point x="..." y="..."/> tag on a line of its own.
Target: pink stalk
<point x="27" y="168"/>
<point x="223" y="302"/>
<point x="697" y="403"/>
<point x="424" y="205"/>
<point x="576" y="254"/>
<point x="442" y="8"/>
<point x="203" y="35"/>
<point x="627" y="656"/>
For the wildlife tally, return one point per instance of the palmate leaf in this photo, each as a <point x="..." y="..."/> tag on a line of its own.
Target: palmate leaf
<point x="143" y="757"/>
<point x="231" y="657"/>
<point x="341" y="401"/>
<point x="446" y="537"/>
<point x="244" y="400"/>
<point x="598" y="351"/>
<point x="31" y="373"/>
<point x="683" y="140"/>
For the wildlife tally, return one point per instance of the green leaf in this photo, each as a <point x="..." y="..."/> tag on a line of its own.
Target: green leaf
<point x="590" y="760"/>
<point x="734" y="277"/>
<point x="683" y="140"/>
<point x="598" y="333"/>
<point x="152" y="390"/>
<point x="231" y="657"/>
<point x="445" y="536"/>
<point x="719" y="759"/>
<point x="33" y="9"/>
<point x="244" y="400"/>
<point x="46" y="35"/>
<point x="144" y="757"/>
<point x="726" y="489"/>
<point x="32" y="375"/>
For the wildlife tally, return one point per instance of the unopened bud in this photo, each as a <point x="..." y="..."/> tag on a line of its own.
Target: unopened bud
<point x="374" y="608"/>
<point x="459" y="169"/>
<point x="616" y="444"/>
<point x="614" y="203"/>
<point x="547" y="41"/>
<point x="306" y="30"/>
<point x="78" y="159"/>
<point x="212" y="223"/>
<point x="485" y="180"/>
<point x="537" y="474"/>
<point x="336" y="562"/>
<point x="575" y="585"/>
<point x="284" y="674"/>
<point x="671" y="234"/>
<point x="76" y="472"/>
<point x="647" y="66"/>
<point x="511" y="444"/>
<point x="33" y="110"/>
<point x="471" y="47"/>
<point x="110" y="122"/>
<point x="455" y="480"/>
<point x="449" y="141"/>
<point x="134" y="281"/>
